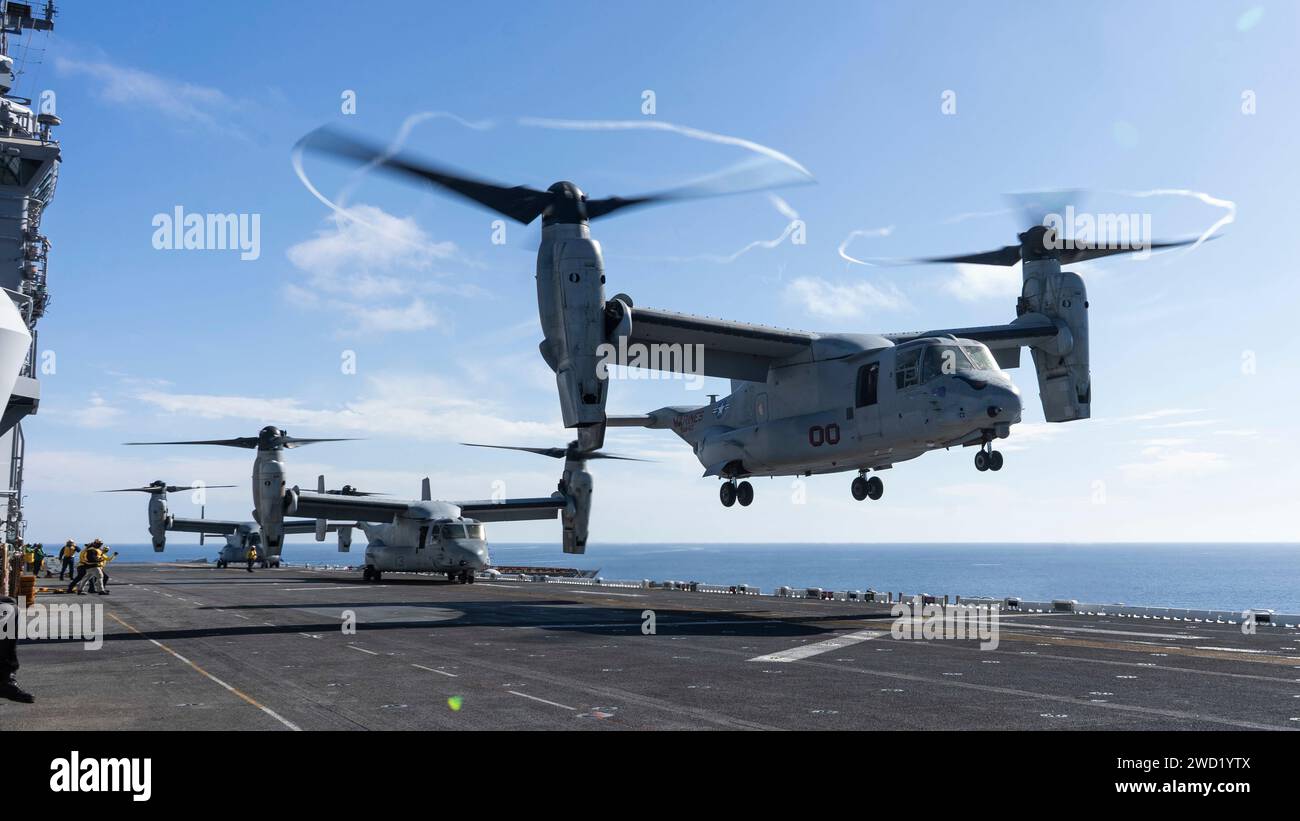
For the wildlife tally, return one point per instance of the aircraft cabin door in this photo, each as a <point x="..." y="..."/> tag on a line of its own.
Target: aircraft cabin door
<point x="866" y="402"/>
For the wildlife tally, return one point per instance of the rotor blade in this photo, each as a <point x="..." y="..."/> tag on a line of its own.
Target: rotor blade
<point x="1006" y="255"/>
<point x="240" y="442"/>
<point x="1080" y="254"/>
<point x="182" y="488"/>
<point x="519" y="202"/>
<point x="133" y="490"/>
<point x="295" y="442"/>
<point x="759" y="174"/>
<point x="554" y="453"/>
<point x="560" y="453"/>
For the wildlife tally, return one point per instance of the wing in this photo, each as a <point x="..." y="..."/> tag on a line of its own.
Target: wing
<point x="349" y="508"/>
<point x="731" y="350"/>
<point x="513" y="510"/>
<point x="309" y="526"/>
<point x="209" y="527"/>
<point x="1004" y="341"/>
<point x="1012" y="335"/>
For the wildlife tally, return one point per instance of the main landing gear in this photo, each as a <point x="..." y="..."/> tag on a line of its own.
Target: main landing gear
<point x="864" y="488"/>
<point x="988" y="459"/>
<point x="370" y="574"/>
<point x="731" y="492"/>
<point x="463" y="577"/>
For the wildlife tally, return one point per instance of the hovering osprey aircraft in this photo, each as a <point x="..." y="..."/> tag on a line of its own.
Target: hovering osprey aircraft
<point x="570" y="269"/>
<point x="805" y="403"/>
<point x="239" y="535"/>
<point x="409" y="535"/>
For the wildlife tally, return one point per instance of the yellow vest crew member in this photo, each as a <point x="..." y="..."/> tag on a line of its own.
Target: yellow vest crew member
<point x="252" y="557"/>
<point x="66" y="558"/>
<point x="93" y="560"/>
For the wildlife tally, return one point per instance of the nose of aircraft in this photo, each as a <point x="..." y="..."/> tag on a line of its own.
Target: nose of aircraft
<point x="1003" y="403"/>
<point x="470" y="554"/>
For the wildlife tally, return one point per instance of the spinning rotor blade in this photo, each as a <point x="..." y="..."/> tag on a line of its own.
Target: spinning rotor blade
<point x="241" y="442"/>
<point x="570" y="452"/>
<point x="524" y="204"/>
<point x="519" y="203"/>
<point x="295" y="442"/>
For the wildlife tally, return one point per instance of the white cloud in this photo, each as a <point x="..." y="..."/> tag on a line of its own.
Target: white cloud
<point x="973" y="283"/>
<point x="183" y="102"/>
<point x="421" y="408"/>
<point x="371" y="267"/>
<point x="829" y="300"/>
<point x="97" y="413"/>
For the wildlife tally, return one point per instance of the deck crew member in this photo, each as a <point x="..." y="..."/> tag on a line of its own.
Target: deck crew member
<point x="93" y="561"/>
<point x="67" y="556"/>
<point x="252" y="557"/>
<point x="9" y="688"/>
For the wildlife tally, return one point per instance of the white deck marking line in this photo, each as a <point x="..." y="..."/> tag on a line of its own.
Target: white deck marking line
<point x="542" y="700"/>
<point x="272" y="713"/>
<point x="809" y="650"/>
<point x="439" y="672"/>
<point x="607" y="593"/>
<point x="361" y="649"/>
<point x="1065" y="629"/>
<point x="331" y="587"/>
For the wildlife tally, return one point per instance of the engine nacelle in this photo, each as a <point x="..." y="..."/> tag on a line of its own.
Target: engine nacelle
<point x="576" y="515"/>
<point x="158" y="521"/>
<point x="571" y="307"/>
<point x="345" y="539"/>
<point x="1064" y="380"/>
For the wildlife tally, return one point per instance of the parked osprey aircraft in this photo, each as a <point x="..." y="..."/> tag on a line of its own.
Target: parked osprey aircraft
<point x="419" y="535"/>
<point x="239" y="535"/>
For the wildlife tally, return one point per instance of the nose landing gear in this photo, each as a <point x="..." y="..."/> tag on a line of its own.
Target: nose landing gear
<point x="864" y="488"/>
<point x="731" y="492"/>
<point x="988" y="459"/>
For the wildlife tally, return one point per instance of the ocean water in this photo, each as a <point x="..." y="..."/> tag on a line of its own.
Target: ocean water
<point x="1229" y="576"/>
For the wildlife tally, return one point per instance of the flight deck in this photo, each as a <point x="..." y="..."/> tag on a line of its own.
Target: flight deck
<point x="193" y="647"/>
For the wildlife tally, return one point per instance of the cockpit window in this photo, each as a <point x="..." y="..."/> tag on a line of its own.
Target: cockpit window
<point x="944" y="360"/>
<point x="474" y="531"/>
<point x="453" y="531"/>
<point x="981" y="357"/>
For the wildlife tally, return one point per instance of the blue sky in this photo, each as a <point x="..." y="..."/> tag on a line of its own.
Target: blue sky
<point x="199" y="108"/>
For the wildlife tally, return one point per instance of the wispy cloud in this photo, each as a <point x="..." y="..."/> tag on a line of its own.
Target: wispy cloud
<point x="182" y="102"/>
<point x="95" y="414"/>
<point x="418" y="407"/>
<point x="1161" y="462"/>
<point x="361" y="265"/>
<point x="830" y="300"/>
<point x="973" y="283"/>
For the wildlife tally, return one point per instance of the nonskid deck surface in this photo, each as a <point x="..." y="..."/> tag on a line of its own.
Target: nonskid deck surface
<point x="196" y="648"/>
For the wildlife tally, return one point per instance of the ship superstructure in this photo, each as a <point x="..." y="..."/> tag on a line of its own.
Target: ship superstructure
<point x="29" y="170"/>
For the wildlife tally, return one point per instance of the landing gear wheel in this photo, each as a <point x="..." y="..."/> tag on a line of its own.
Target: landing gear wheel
<point x="727" y="494"/>
<point x="469" y="577"/>
<point x="452" y="577"/>
<point x="744" y="493"/>
<point x="995" y="460"/>
<point x="859" y="488"/>
<point x="981" y="461"/>
<point x="370" y="574"/>
<point x="875" y="488"/>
